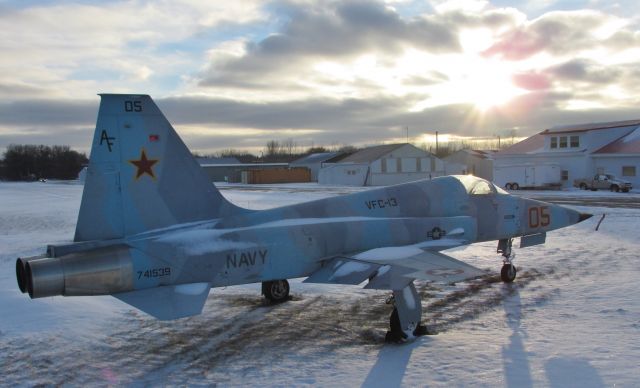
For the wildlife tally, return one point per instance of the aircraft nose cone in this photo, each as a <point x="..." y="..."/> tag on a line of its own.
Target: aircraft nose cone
<point x="584" y="216"/>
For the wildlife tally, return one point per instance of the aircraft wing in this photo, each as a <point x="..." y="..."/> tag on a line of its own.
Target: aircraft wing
<point x="395" y="267"/>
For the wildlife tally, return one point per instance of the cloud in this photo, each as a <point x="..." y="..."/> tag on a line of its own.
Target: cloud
<point x="584" y="70"/>
<point x="18" y="90"/>
<point x="558" y="32"/>
<point x="328" y="30"/>
<point x="213" y="123"/>
<point x="74" y="50"/>
<point x="532" y="80"/>
<point x="42" y="113"/>
<point x="318" y="71"/>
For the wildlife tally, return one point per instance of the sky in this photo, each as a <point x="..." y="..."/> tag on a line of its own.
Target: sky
<point x="322" y="73"/>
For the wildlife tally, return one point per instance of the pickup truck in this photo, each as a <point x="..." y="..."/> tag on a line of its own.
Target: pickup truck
<point x="603" y="181"/>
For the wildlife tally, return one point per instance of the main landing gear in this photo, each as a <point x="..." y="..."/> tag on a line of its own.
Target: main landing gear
<point x="404" y="322"/>
<point x="276" y="291"/>
<point x="508" y="272"/>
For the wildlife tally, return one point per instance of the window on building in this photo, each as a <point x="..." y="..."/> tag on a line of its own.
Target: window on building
<point x="418" y="164"/>
<point x="628" y="170"/>
<point x="563" y="142"/>
<point x="574" y="141"/>
<point x="399" y="165"/>
<point x="554" y="142"/>
<point x="383" y="164"/>
<point x="565" y="175"/>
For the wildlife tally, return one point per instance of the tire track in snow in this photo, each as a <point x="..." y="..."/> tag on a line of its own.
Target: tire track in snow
<point x="480" y="296"/>
<point x="239" y="334"/>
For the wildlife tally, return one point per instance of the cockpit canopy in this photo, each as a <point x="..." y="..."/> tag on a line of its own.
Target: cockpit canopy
<point x="478" y="186"/>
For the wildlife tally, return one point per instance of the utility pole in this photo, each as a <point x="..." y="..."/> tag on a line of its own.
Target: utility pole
<point x="436" y="143"/>
<point x="407" y="134"/>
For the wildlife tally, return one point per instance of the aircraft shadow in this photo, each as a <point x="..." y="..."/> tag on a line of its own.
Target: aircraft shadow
<point x="572" y="372"/>
<point x="391" y="365"/>
<point x="514" y="355"/>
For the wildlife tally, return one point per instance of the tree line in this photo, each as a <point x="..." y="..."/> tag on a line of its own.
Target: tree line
<point x="31" y="162"/>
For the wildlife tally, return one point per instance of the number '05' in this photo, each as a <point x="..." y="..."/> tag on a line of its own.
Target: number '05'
<point x="539" y="216"/>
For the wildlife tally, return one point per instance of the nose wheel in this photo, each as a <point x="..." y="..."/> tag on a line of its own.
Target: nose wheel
<point x="508" y="272"/>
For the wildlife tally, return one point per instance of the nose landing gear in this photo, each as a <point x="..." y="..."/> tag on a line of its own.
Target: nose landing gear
<point x="508" y="272"/>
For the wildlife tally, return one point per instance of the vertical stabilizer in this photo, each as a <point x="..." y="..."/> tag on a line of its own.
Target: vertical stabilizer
<point x="141" y="176"/>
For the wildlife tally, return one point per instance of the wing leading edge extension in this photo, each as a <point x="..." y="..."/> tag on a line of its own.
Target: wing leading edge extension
<point x="393" y="268"/>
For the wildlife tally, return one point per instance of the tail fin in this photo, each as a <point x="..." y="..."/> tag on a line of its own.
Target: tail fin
<point x="141" y="176"/>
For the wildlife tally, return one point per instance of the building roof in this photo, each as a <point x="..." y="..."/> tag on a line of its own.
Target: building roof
<point x="627" y="144"/>
<point x="315" y="158"/>
<point x="527" y="146"/>
<point x="370" y="154"/>
<point x="225" y="160"/>
<point x="591" y="126"/>
<point x="243" y="165"/>
<point x="481" y="154"/>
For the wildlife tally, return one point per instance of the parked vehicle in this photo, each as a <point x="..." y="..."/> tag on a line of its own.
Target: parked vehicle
<point x="603" y="181"/>
<point x="528" y="176"/>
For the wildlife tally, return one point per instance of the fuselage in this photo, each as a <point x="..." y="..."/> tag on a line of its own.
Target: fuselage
<point x="293" y="241"/>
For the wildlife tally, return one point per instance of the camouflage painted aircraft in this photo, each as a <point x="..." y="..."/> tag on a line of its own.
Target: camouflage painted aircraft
<point x="154" y="232"/>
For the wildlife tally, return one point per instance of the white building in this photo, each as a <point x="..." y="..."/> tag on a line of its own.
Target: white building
<point x="581" y="151"/>
<point x="314" y="162"/>
<point x="467" y="161"/>
<point x="382" y="165"/>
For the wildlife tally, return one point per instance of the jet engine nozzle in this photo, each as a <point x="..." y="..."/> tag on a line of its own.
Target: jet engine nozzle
<point x="48" y="275"/>
<point x="95" y="272"/>
<point x="21" y="272"/>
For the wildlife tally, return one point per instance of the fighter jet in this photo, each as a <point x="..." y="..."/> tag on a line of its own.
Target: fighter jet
<point x="154" y="232"/>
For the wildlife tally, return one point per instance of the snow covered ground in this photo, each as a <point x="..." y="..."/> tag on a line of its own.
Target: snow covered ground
<point x="571" y="319"/>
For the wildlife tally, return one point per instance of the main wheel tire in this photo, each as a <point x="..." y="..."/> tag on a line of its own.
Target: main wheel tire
<point x="508" y="273"/>
<point x="508" y="186"/>
<point x="395" y="333"/>
<point x="276" y="291"/>
<point x="615" y="188"/>
<point x="515" y="186"/>
<point x="583" y="186"/>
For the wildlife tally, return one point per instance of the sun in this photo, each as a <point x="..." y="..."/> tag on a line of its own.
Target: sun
<point x="490" y="86"/>
<point x="483" y="83"/>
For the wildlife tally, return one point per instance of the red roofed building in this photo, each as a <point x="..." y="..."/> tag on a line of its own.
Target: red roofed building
<point x="580" y="151"/>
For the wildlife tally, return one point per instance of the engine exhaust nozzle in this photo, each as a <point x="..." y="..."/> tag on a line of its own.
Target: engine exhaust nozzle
<point x="21" y="274"/>
<point x="99" y="271"/>
<point x="49" y="277"/>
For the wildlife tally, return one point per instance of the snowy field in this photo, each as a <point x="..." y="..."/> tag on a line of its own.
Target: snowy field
<point x="571" y="319"/>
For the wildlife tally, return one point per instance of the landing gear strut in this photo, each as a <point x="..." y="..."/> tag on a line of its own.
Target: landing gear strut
<point x="508" y="272"/>
<point x="276" y="291"/>
<point x="404" y="322"/>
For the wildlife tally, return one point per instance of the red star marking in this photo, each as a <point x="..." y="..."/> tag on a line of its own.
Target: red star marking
<point x="144" y="165"/>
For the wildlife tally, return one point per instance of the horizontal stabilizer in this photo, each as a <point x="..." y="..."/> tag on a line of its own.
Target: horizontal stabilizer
<point x="169" y="302"/>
